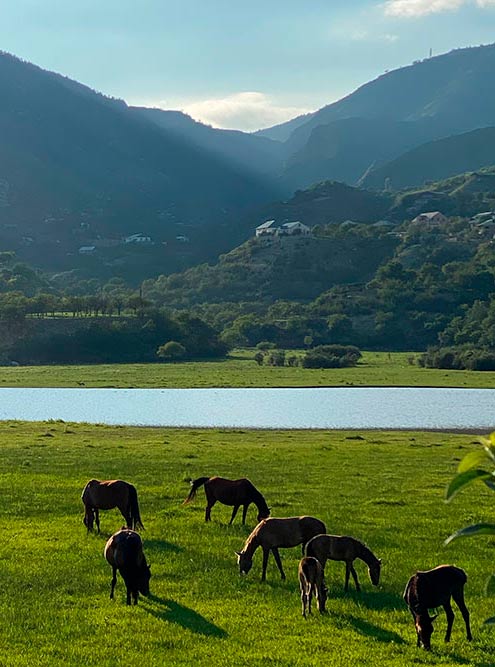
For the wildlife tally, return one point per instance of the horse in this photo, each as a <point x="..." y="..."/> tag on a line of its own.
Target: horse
<point x="434" y="588"/>
<point x="272" y="534"/>
<point x="105" y="496"/>
<point x="340" y="547"/>
<point x="312" y="582"/>
<point x="234" y="492"/>
<point x="124" y="552"/>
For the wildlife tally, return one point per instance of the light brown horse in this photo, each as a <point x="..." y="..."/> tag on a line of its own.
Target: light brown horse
<point x="434" y="588"/>
<point x="105" y="496"/>
<point x="234" y="492"/>
<point x="312" y="582"/>
<point x="124" y="552"/>
<point x="272" y="534"/>
<point x="342" y="547"/>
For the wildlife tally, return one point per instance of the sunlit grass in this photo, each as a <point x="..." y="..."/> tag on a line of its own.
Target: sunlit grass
<point x="385" y="488"/>
<point x="240" y="370"/>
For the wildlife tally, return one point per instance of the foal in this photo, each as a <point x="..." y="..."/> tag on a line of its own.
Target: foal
<point x="272" y="534"/>
<point x="337" y="547"/>
<point x="434" y="588"/>
<point x="234" y="492"/>
<point x="312" y="581"/>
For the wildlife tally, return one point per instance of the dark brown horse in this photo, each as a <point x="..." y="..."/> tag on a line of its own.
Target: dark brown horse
<point x="435" y="588"/>
<point x="234" y="492"/>
<point x="124" y="552"/>
<point x="272" y="534"/>
<point x="340" y="547"/>
<point x="312" y="582"/>
<point x="105" y="496"/>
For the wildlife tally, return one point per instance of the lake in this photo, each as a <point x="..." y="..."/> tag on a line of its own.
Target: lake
<point x="325" y="408"/>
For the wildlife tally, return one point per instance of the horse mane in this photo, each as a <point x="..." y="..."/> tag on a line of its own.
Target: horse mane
<point x="259" y="499"/>
<point x="253" y="539"/>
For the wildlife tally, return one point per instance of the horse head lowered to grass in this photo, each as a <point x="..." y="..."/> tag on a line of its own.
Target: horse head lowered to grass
<point x="272" y="534"/>
<point x="106" y="495"/>
<point x="124" y="552"/>
<point x="345" y="548"/>
<point x="234" y="492"/>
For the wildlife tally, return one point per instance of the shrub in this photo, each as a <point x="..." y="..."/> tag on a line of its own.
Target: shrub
<point x="331" y="356"/>
<point x="171" y="350"/>
<point x="258" y="357"/>
<point x="276" y="358"/>
<point x="458" y="359"/>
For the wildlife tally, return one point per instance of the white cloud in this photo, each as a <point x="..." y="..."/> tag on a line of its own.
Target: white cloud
<point x="416" y="8"/>
<point x="366" y="36"/>
<point x="242" y="111"/>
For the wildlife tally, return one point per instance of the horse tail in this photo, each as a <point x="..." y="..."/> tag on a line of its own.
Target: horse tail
<point x="134" y="508"/>
<point x="194" y="487"/>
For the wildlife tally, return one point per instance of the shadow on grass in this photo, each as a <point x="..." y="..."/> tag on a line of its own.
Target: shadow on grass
<point x="371" y="630"/>
<point x="378" y="599"/>
<point x="162" y="545"/>
<point x="173" y="612"/>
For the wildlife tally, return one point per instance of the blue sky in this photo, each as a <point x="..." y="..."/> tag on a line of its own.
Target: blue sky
<point x="236" y="63"/>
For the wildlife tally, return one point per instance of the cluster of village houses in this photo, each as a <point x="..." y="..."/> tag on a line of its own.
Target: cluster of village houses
<point x="484" y="222"/>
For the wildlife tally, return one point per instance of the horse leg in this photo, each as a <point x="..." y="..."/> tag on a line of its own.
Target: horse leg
<point x="266" y="553"/>
<point x="450" y="620"/>
<point x="459" y="600"/>
<point x="114" y="581"/>
<point x="355" y="577"/>
<point x="310" y="600"/>
<point x="278" y="561"/>
<point x="244" y="513"/>
<point x="347" y="574"/>
<point x="96" y="514"/>
<point x="208" y="509"/>
<point x="234" y="512"/>
<point x="304" y="600"/>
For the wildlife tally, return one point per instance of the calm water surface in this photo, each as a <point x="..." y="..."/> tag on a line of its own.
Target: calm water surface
<point x="328" y="408"/>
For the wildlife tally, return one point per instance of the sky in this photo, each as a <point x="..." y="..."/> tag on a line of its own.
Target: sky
<point x="241" y="64"/>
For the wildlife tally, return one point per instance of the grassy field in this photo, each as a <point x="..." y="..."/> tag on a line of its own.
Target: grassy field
<point x="240" y="370"/>
<point x="384" y="488"/>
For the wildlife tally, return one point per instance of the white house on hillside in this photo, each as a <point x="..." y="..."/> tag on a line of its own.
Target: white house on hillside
<point x="292" y="228"/>
<point x="270" y="228"/>
<point x="139" y="239"/>
<point x="431" y="216"/>
<point x="267" y="228"/>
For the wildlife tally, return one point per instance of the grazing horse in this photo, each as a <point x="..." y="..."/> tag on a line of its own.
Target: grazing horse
<point x="312" y="582"/>
<point x="105" y="496"/>
<point x="124" y="552"/>
<point x="337" y="547"/>
<point x="434" y="588"/>
<point x="234" y="492"/>
<point x="272" y="534"/>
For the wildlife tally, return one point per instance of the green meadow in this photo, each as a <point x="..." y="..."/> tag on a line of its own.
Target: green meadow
<point x="384" y="488"/>
<point x="240" y="370"/>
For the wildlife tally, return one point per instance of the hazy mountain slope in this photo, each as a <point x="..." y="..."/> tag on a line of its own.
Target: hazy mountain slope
<point x="456" y="87"/>
<point x="345" y="149"/>
<point x="283" y="131"/>
<point x="258" y="154"/>
<point x="437" y="160"/>
<point x="65" y="149"/>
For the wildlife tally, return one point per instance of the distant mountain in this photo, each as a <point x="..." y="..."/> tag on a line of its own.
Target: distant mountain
<point x="283" y="131"/>
<point x="69" y="154"/>
<point x="436" y="160"/>
<point x="456" y="88"/>
<point x="257" y="154"/>
<point x="346" y="149"/>
<point x="400" y="110"/>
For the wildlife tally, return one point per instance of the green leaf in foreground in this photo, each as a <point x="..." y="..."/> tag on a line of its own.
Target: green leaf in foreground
<point x="476" y="529"/>
<point x="465" y="478"/>
<point x="490" y="621"/>
<point x="472" y="460"/>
